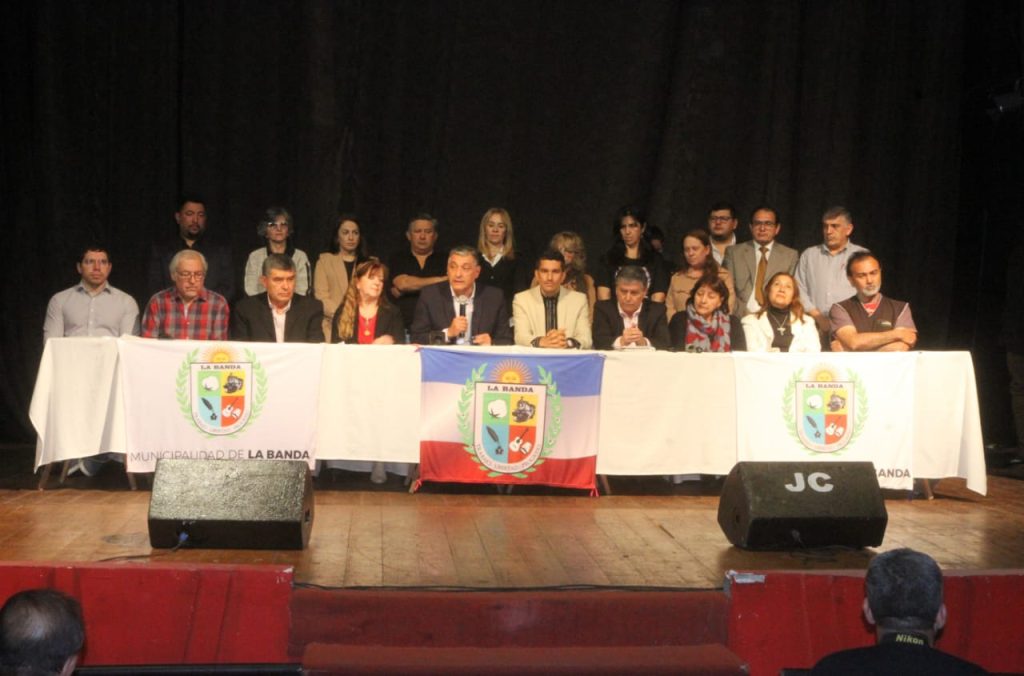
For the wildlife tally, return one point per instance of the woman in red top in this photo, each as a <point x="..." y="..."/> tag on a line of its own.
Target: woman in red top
<point x="365" y="316"/>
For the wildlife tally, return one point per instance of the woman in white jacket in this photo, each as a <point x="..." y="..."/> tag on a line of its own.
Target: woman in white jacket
<point x="781" y="325"/>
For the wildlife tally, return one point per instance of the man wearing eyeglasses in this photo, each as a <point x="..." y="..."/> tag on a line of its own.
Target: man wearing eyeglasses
<point x="192" y="233"/>
<point x="92" y="307"/>
<point x="187" y="310"/>
<point x="722" y="224"/>
<point x="753" y="263"/>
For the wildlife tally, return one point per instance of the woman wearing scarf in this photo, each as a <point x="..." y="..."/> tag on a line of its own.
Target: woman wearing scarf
<point x="705" y="326"/>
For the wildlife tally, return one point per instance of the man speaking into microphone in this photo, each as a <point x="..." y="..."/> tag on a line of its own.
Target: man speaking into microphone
<point x="458" y="311"/>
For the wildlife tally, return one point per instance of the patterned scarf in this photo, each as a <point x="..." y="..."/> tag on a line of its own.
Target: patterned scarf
<point x="707" y="336"/>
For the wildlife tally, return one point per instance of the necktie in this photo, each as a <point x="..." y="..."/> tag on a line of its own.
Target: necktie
<point x="762" y="267"/>
<point x="550" y="313"/>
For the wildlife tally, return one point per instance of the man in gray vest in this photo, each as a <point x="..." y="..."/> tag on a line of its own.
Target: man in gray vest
<point x="869" y="321"/>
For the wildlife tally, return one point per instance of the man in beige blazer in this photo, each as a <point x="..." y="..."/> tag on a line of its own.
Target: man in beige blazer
<point x="550" y="315"/>
<point x="742" y="259"/>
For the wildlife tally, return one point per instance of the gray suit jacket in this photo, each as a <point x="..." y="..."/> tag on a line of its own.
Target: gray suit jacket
<point x="573" y="316"/>
<point x="741" y="261"/>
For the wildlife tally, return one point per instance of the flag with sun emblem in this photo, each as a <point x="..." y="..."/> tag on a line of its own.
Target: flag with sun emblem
<point x="509" y="418"/>
<point x="209" y="400"/>
<point x="835" y="406"/>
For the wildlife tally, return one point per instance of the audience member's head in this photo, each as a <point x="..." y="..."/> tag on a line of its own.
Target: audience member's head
<point x="41" y="633"/>
<point x="496" y="233"/>
<point x="278" y="279"/>
<point x="550" y="272"/>
<point x="764" y="225"/>
<point x="344" y="236"/>
<point x="572" y="248"/>
<point x="656" y="238"/>
<point x="276" y="225"/>
<point x="782" y="293"/>
<point x="631" y="283"/>
<point x="709" y="295"/>
<point x="722" y="221"/>
<point x="903" y="592"/>
<point x="422" y="234"/>
<point x="94" y="267"/>
<point x="188" y="272"/>
<point x="463" y="269"/>
<point x="191" y="217"/>
<point x="836" y="226"/>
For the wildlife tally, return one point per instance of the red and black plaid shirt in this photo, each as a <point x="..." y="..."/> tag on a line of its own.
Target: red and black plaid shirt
<point x="207" y="317"/>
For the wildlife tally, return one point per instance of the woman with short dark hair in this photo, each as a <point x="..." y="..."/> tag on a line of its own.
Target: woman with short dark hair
<point x="705" y="326"/>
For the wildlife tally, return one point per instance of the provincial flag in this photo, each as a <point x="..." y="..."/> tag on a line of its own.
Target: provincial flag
<point x="491" y="417"/>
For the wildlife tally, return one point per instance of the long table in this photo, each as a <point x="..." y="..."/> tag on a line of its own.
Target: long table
<point x="660" y="413"/>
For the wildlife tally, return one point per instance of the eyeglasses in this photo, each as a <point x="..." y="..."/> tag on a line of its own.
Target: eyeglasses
<point x="197" y="276"/>
<point x="762" y="224"/>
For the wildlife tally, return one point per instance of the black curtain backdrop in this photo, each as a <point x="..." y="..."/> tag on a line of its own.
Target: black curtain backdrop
<point x="559" y="111"/>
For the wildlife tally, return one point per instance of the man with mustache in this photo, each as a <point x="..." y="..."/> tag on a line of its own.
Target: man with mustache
<point x="869" y="321"/>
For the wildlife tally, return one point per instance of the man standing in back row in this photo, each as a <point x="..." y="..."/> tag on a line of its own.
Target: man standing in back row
<point x="753" y="263"/>
<point x="192" y="234"/>
<point x="417" y="268"/>
<point x="821" y="272"/>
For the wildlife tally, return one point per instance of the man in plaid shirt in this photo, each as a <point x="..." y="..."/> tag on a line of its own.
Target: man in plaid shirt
<point x="187" y="310"/>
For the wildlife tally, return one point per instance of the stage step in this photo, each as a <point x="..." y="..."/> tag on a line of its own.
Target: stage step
<point x="507" y="619"/>
<point x="707" y="659"/>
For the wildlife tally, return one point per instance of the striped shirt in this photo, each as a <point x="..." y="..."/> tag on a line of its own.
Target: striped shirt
<point x="206" y="317"/>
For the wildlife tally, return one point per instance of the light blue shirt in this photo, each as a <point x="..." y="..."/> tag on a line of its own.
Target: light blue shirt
<point x="822" y="277"/>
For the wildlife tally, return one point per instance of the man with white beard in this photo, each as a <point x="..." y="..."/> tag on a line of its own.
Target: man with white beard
<point x="869" y="321"/>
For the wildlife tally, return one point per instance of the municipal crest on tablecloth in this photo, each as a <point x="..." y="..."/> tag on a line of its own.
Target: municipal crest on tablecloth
<point x="220" y="392"/>
<point x="504" y="418"/>
<point x="824" y="412"/>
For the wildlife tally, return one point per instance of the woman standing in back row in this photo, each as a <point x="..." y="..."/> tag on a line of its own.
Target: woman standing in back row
<point x="346" y="248"/>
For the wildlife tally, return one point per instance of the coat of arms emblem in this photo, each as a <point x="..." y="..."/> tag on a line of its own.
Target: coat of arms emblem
<point x="824" y="412"/>
<point x="219" y="392"/>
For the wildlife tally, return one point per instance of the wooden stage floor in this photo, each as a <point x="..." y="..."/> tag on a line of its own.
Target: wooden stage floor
<point x="649" y="534"/>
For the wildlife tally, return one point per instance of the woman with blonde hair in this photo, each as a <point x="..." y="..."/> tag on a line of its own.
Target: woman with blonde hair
<point x="499" y="266"/>
<point x="781" y="324"/>
<point x="365" y="316"/>
<point x="697" y="260"/>
<point x="571" y="246"/>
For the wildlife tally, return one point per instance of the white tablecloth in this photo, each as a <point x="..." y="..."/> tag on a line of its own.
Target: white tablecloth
<point x="661" y="413"/>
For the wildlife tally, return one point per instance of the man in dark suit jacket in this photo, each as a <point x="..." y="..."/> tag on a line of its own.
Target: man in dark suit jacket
<point x="628" y="320"/>
<point x="460" y="311"/>
<point x="742" y="260"/>
<point x="278" y="315"/>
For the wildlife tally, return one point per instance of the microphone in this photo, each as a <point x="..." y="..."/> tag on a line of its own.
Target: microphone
<point x="463" y="301"/>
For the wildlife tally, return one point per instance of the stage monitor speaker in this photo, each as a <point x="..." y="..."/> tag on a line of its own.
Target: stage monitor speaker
<point x="786" y="505"/>
<point x="222" y="504"/>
